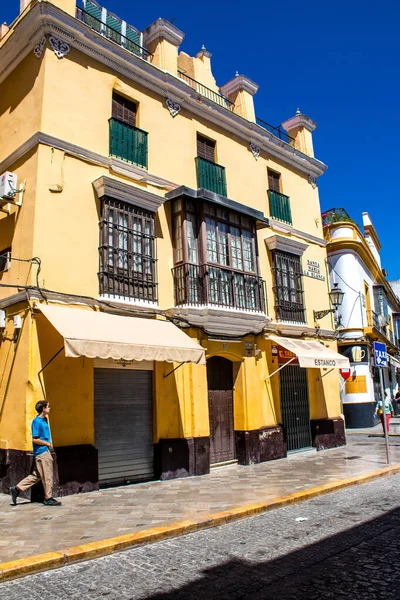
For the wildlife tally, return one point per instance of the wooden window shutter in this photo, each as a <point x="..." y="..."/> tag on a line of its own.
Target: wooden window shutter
<point x="124" y="110"/>
<point x="273" y="181"/>
<point x="205" y="148"/>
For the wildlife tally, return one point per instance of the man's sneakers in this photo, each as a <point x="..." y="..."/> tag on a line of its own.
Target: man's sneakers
<point x="14" y="491"/>
<point x="51" y="502"/>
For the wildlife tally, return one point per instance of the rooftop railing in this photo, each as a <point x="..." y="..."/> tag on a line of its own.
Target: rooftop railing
<point x="206" y="92"/>
<point x="112" y="34"/>
<point x="278" y="132"/>
<point x="335" y="215"/>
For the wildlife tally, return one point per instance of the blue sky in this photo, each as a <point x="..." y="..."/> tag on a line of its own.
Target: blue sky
<point x="338" y="62"/>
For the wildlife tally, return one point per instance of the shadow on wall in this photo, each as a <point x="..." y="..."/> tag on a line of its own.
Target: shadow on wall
<point x="357" y="563"/>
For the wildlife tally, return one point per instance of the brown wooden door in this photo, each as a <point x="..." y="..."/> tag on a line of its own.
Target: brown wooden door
<point x="220" y="405"/>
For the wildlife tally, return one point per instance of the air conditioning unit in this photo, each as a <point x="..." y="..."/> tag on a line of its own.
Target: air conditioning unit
<point x="5" y="261"/>
<point x="8" y="185"/>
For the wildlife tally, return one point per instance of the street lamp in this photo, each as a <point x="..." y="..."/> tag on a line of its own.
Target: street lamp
<point x="336" y="299"/>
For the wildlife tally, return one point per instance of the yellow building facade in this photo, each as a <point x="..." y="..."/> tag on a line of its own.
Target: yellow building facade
<point x="145" y="191"/>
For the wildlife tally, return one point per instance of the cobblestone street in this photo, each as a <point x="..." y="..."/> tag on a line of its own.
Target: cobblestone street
<point x="345" y="545"/>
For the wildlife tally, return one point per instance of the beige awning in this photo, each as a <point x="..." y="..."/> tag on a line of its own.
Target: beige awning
<point x="102" y="335"/>
<point x="312" y="354"/>
<point x="394" y="361"/>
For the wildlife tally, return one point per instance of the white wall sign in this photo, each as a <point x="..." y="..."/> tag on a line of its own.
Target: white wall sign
<point x="313" y="269"/>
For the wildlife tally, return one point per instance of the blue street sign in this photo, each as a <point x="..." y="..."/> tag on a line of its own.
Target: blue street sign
<point x="380" y="355"/>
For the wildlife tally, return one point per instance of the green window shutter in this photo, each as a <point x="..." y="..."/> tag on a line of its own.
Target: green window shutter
<point x="279" y="207"/>
<point x="94" y="10"/>
<point x="114" y="25"/>
<point x="132" y="35"/>
<point x="128" y="143"/>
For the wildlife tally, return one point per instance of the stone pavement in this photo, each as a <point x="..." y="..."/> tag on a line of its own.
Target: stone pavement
<point x="28" y="529"/>
<point x="377" y="430"/>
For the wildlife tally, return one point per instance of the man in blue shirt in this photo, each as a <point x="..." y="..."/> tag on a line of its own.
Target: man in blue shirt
<point x="43" y="460"/>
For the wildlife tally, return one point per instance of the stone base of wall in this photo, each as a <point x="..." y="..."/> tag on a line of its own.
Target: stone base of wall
<point x="260" y="445"/>
<point x="75" y="470"/>
<point x="181" y="457"/>
<point x="328" y="433"/>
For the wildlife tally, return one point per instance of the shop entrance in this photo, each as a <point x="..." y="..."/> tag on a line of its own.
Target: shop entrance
<point x="220" y="406"/>
<point x="123" y="420"/>
<point x="295" y="407"/>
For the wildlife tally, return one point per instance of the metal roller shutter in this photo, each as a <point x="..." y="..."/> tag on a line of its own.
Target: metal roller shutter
<point x="124" y="425"/>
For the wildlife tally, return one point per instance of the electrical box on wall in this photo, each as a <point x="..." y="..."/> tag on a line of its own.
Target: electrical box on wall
<point x="8" y="185"/>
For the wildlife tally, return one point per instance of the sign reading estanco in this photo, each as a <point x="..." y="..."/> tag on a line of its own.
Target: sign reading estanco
<point x="310" y="354"/>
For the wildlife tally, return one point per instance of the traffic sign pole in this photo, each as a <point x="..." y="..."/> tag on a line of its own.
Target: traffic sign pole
<point x="384" y="416"/>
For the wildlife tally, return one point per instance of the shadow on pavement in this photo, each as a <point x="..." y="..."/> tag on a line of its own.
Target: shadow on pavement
<point x="361" y="563"/>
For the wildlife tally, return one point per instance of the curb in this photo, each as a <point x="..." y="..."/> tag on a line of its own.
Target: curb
<point x="52" y="560"/>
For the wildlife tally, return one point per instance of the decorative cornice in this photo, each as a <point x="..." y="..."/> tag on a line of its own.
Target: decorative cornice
<point x="106" y="186"/>
<point x="239" y="82"/>
<point x="299" y="120"/>
<point x="118" y="166"/>
<point x="161" y="28"/>
<point x="203" y="194"/>
<point x="285" y="228"/>
<point x="285" y="244"/>
<point x="45" y="18"/>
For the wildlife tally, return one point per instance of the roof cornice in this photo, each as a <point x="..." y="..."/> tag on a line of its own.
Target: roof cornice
<point x="45" y="19"/>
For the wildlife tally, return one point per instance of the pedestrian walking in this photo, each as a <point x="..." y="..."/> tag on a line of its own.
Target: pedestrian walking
<point x="397" y="401"/>
<point x="388" y="412"/>
<point x="42" y="447"/>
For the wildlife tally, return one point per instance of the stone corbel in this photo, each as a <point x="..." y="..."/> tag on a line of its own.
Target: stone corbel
<point x="59" y="47"/>
<point x="38" y="49"/>
<point x="255" y="150"/>
<point x="173" y="107"/>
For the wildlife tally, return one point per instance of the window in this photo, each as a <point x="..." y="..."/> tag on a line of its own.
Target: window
<point x="205" y="148"/>
<point x="127" y="142"/>
<point x="215" y="254"/>
<point x="124" y="110"/>
<point x="127" y="252"/>
<point x="274" y="180"/>
<point x="288" y="287"/>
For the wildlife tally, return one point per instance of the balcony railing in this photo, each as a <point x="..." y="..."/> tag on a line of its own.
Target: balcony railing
<point x="129" y="41"/>
<point x="378" y="322"/>
<point x="128" y="143"/>
<point x="335" y="215"/>
<point x="206" y="92"/>
<point x="276" y="131"/>
<point x="207" y="285"/>
<point x="279" y="207"/>
<point x="211" y="176"/>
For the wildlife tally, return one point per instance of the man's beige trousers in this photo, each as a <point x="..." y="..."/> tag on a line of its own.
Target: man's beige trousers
<point x="43" y="472"/>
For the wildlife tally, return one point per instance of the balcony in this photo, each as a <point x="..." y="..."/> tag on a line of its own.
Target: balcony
<point x="206" y="92"/>
<point x="211" y="176"/>
<point x="111" y="27"/>
<point x="335" y="215"/>
<point x="279" y="207"/>
<point x="128" y="143"/>
<point x="206" y="285"/>
<point x="276" y="131"/>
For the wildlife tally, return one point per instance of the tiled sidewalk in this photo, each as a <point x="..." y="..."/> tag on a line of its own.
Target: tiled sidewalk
<point x="29" y="529"/>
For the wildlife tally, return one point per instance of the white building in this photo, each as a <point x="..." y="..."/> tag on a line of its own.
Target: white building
<point x="370" y="312"/>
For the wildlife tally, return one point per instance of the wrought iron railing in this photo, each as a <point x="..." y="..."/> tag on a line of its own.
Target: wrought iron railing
<point x="278" y="131"/>
<point x="279" y="207"/>
<point x="112" y="34"/>
<point x="206" y="92"/>
<point x="378" y="321"/>
<point x="128" y="143"/>
<point x="204" y="285"/>
<point x="335" y="215"/>
<point x="211" y="176"/>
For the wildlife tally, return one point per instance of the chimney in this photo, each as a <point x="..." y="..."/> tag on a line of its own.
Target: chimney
<point x="162" y="39"/>
<point x="300" y="127"/>
<point x="240" y="91"/>
<point x="3" y="30"/>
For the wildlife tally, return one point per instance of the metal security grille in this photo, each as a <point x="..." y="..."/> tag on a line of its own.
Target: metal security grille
<point x="123" y="416"/>
<point x="295" y="408"/>
<point x="127" y="252"/>
<point x="288" y="287"/>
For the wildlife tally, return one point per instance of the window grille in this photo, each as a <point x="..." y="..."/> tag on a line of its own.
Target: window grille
<point x="288" y="287"/>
